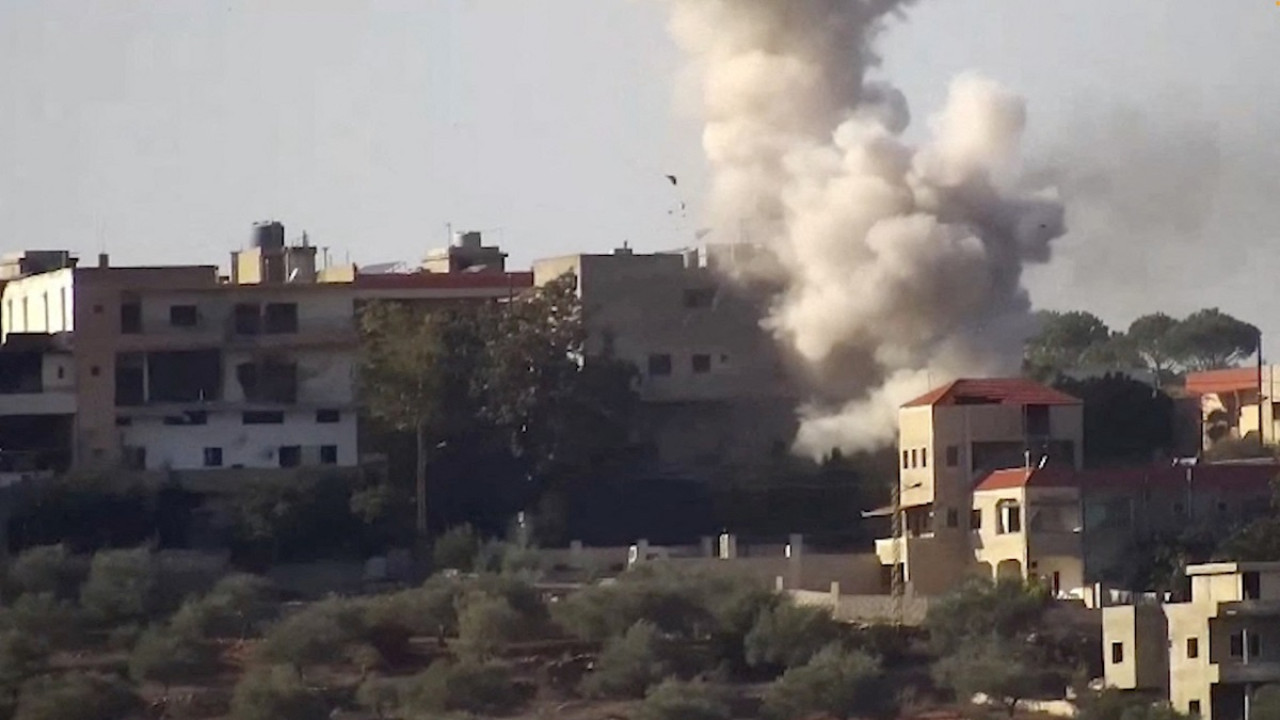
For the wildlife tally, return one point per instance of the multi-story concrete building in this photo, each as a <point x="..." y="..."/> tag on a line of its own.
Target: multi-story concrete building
<point x="1209" y="655"/>
<point x="953" y="437"/>
<point x="1026" y="523"/>
<point x="713" y="386"/>
<point x="1235" y="402"/>
<point x="37" y="407"/>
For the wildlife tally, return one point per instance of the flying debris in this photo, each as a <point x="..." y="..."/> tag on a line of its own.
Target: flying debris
<point x="672" y="179"/>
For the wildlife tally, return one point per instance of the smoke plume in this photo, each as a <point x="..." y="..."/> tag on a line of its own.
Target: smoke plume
<point x="900" y="265"/>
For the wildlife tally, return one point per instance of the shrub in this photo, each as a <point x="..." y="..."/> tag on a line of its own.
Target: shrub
<point x="1113" y="704"/>
<point x="456" y="549"/>
<point x="789" y="635"/>
<point x="238" y="606"/>
<point x="430" y="610"/>
<point x="486" y="625"/>
<point x="313" y="635"/>
<point x="75" y="696"/>
<point x="170" y="656"/>
<point x="380" y="696"/>
<point x="21" y="656"/>
<point x="1003" y="670"/>
<point x="676" y="700"/>
<point x="836" y="682"/>
<point x="275" y="693"/>
<point x="628" y="665"/>
<point x="484" y="688"/>
<point x="121" y="586"/>
<point x="43" y="616"/>
<point x="48" y="569"/>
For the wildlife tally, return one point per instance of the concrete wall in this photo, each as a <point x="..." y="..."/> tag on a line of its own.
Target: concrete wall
<point x="43" y="303"/>
<point x="864" y="609"/>
<point x="182" y="447"/>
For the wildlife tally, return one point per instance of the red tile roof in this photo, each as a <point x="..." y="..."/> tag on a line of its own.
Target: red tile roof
<point x="1220" y="381"/>
<point x="996" y="391"/>
<point x="1024" y="477"/>
<point x="1223" y="476"/>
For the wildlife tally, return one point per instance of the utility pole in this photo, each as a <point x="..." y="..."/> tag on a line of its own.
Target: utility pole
<point x="1262" y="440"/>
<point x="896" y="577"/>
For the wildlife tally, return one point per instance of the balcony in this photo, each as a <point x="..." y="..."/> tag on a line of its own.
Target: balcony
<point x="1249" y="608"/>
<point x="53" y="402"/>
<point x="234" y="333"/>
<point x="1237" y="671"/>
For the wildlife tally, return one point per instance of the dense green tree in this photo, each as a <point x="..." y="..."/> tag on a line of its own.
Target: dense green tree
<point x="1064" y="341"/>
<point x="1113" y="704"/>
<point x="171" y="656"/>
<point x="1153" y="338"/>
<point x="679" y="700"/>
<point x="629" y="665"/>
<point x="980" y="609"/>
<point x="1211" y="339"/>
<point x="48" y="569"/>
<point x="75" y="696"/>
<point x="482" y="688"/>
<point x="836" y="683"/>
<point x="486" y="625"/>
<point x="789" y="635"/>
<point x="315" y="635"/>
<point x="1125" y="421"/>
<point x="122" y="586"/>
<point x="276" y="693"/>
<point x="456" y="549"/>
<point x="1006" y="671"/>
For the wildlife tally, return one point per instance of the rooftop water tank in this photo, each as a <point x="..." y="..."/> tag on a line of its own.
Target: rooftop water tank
<point x="268" y="235"/>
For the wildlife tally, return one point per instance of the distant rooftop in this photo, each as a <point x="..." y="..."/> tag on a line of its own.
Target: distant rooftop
<point x="994" y="391"/>
<point x="1028" y="477"/>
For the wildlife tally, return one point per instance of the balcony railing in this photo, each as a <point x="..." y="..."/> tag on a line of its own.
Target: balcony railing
<point x="1237" y="671"/>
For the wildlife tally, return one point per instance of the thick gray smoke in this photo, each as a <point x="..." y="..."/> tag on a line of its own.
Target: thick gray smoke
<point x="901" y="265"/>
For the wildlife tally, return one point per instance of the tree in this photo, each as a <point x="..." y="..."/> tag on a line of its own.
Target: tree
<point x="481" y="688"/>
<point x="1006" y="671"/>
<point x="456" y="549"/>
<point x="1210" y="339"/>
<point x="75" y="696"/>
<point x="414" y="372"/>
<point x="41" y="615"/>
<point x="789" y="635"/>
<point x="121" y="586"/>
<point x="1063" y="341"/>
<point x="1153" y="337"/>
<point x="1125" y="421"/>
<point x="315" y="635"/>
<point x="1113" y="704"/>
<point x="486" y="624"/>
<point x="677" y="700"/>
<point x="238" y="606"/>
<point x="275" y="693"/>
<point x="980" y="609"/>
<point x="21" y="657"/>
<point x="48" y="569"/>
<point x="628" y="665"/>
<point x="170" y="657"/>
<point x="838" y="683"/>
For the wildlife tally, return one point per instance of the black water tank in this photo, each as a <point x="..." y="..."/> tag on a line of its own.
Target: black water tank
<point x="268" y="235"/>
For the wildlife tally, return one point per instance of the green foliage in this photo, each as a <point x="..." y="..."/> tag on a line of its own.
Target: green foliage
<point x="121" y="587"/>
<point x="980" y="609"/>
<point x="302" y="516"/>
<point x="1065" y="341"/>
<point x="677" y="700"/>
<point x="380" y="696"/>
<point x="275" y="693"/>
<point x="1258" y="541"/>
<point x="836" y="682"/>
<point x="1006" y="671"/>
<point x="1124" y="420"/>
<point x="1112" y="704"/>
<point x="1152" y="338"/>
<point x="484" y="688"/>
<point x="75" y="696"/>
<point x="430" y="610"/>
<point x="238" y="606"/>
<point x="1210" y="339"/>
<point x="789" y="635"/>
<point x="41" y="615"/>
<point x="49" y="569"/>
<point x="486" y="625"/>
<point x="22" y="655"/>
<point x="315" y="635"/>
<point x="456" y="549"/>
<point x="169" y="656"/>
<point x="629" y="665"/>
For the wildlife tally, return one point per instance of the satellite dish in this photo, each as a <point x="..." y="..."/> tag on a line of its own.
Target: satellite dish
<point x="293" y="274"/>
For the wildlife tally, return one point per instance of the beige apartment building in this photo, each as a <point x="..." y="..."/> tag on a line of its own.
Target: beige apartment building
<point x="1207" y="656"/>
<point x="713" y="385"/>
<point x="950" y="439"/>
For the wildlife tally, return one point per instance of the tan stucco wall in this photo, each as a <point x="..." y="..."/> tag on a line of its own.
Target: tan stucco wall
<point x="1191" y="679"/>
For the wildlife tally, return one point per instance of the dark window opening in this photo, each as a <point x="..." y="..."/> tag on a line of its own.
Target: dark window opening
<point x="915" y="458"/>
<point x="1237" y="645"/>
<point x="1252" y="585"/>
<point x="290" y="456"/>
<point x="1193" y="648"/>
<point x="186" y="376"/>
<point x="213" y="457"/>
<point x="21" y="373"/>
<point x="699" y="297"/>
<point x="131" y="318"/>
<point x="953" y="517"/>
<point x="1117" y="653"/>
<point x="328" y="416"/>
<point x="261" y="417"/>
<point x="660" y="364"/>
<point x="328" y="454"/>
<point x="281" y="318"/>
<point x="924" y="457"/>
<point x="1038" y="420"/>
<point x="183" y="316"/>
<point x="268" y="381"/>
<point x="701" y="364"/>
<point x="95" y="371"/>
<point x="975" y="520"/>
<point x="1193" y="707"/>
<point x="131" y="388"/>
<point x="123" y="421"/>
<point x="248" y="321"/>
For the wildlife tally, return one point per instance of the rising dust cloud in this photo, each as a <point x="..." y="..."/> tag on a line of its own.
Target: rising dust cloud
<point x="901" y="266"/>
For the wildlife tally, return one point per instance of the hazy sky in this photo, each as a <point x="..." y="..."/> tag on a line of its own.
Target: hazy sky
<point x="161" y="129"/>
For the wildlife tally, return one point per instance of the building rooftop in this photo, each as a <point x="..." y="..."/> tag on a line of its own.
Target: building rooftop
<point x="994" y="391"/>
<point x="1223" y="381"/>
<point x="1028" y="477"/>
<point x="1231" y="568"/>
<point x="443" y="281"/>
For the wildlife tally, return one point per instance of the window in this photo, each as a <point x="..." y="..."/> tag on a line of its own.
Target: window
<point x="281" y="318"/>
<point x="906" y="460"/>
<point x="1252" y="582"/>
<point x="701" y="364"/>
<point x="262" y="417"/>
<point x="953" y="517"/>
<point x="290" y="456"/>
<point x="213" y="457"/>
<point x="1193" y="648"/>
<point x="328" y="454"/>
<point x="1009" y="514"/>
<point x="975" y="520"/>
<point x="97" y="309"/>
<point x="131" y="318"/>
<point x="953" y="455"/>
<point x="1038" y="420"/>
<point x="123" y="421"/>
<point x="660" y="364"/>
<point x="1222" y="507"/>
<point x="699" y="297"/>
<point x="1117" y="653"/>
<point x="1179" y="509"/>
<point x="247" y="319"/>
<point x="1255" y="645"/>
<point x="1237" y="645"/>
<point x="95" y="371"/>
<point x="190" y="417"/>
<point x="183" y="316"/>
<point x="62" y="372"/>
<point x="915" y="458"/>
<point x="328" y="416"/>
<point x="1193" y="707"/>
<point x="924" y="457"/>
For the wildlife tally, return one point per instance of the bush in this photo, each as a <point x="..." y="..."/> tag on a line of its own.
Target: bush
<point x="49" y="569"/>
<point x="314" y="635"/>
<point x="43" y="616"/>
<point x="456" y="549"/>
<point x="238" y="606"/>
<point x="121" y="586"/>
<point x="170" y="656"/>
<point x="21" y="656"/>
<point x="789" y="635"/>
<point x="430" y="610"/>
<point x="836" y="682"/>
<point x="629" y="665"/>
<point x="676" y="700"/>
<point x="275" y="693"/>
<point x="486" y="625"/>
<point x="1113" y="704"/>
<point x="484" y="688"/>
<point x="75" y="696"/>
<point x="380" y="696"/>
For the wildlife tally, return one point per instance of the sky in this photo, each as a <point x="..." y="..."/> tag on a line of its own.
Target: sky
<point x="159" y="131"/>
